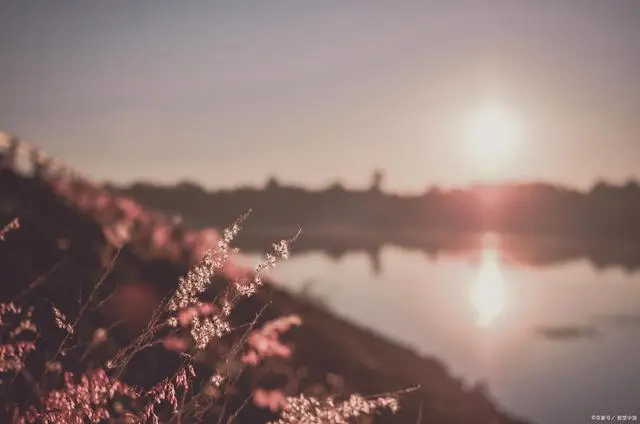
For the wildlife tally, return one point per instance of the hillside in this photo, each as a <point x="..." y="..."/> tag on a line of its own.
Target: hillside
<point x="69" y="238"/>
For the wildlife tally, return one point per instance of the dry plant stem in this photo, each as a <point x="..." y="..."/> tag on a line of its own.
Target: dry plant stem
<point x="90" y="345"/>
<point x="134" y="349"/>
<point x="110" y="268"/>
<point x="74" y="325"/>
<point x="13" y="225"/>
<point x="235" y="414"/>
<point x="394" y="393"/>
<point x="39" y="281"/>
<point x="233" y="353"/>
<point x="182" y="399"/>
<point x="35" y="387"/>
<point x="224" y="410"/>
<point x="170" y="381"/>
<point x="104" y="301"/>
<point x="86" y="305"/>
<point x="141" y="342"/>
<point x="241" y="343"/>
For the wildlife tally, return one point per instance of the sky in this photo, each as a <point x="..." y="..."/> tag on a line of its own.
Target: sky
<point x="228" y="93"/>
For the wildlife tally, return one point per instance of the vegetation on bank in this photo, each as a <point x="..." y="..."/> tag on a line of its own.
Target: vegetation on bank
<point x="105" y="321"/>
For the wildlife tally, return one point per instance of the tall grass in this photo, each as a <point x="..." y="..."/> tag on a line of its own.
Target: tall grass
<point x="213" y="351"/>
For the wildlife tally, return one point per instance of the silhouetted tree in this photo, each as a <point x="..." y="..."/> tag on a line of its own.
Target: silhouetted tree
<point x="631" y="186"/>
<point x="190" y="187"/>
<point x="601" y="187"/>
<point x="336" y="187"/>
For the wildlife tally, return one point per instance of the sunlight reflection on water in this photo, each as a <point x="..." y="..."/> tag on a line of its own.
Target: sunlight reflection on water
<point x="488" y="317"/>
<point x="488" y="291"/>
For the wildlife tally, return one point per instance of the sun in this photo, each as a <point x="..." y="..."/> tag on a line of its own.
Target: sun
<point x="493" y="135"/>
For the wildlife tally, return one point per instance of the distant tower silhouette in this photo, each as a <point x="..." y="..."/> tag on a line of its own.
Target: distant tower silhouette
<point x="376" y="181"/>
<point x="272" y="183"/>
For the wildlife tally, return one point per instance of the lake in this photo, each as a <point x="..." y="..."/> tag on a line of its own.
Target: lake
<point x="554" y="343"/>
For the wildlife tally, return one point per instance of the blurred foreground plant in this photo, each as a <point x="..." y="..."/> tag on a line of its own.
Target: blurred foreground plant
<point x="184" y="323"/>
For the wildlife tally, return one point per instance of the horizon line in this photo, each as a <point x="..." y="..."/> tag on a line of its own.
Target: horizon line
<point x="478" y="184"/>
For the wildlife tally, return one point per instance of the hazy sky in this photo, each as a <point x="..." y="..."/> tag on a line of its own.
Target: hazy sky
<point x="233" y="92"/>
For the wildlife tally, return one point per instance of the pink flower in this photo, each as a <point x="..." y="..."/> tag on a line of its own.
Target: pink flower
<point x="102" y="201"/>
<point x="264" y="343"/>
<point x="175" y="343"/>
<point x="129" y="207"/>
<point x="251" y="358"/>
<point x="160" y="236"/>
<point x="274" y="400"/>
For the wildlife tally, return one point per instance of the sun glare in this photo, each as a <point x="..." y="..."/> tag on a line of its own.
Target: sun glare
<point x="492" y="137"/>
<point x="488" y="291"/>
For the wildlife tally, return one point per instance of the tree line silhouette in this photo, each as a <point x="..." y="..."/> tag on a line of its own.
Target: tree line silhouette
<point x="606" y="211"/>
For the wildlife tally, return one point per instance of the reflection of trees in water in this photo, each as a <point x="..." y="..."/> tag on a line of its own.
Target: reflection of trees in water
<point x="566" y="332"/>
<point x="374" y="253"/>
<point x="519" y="250"/>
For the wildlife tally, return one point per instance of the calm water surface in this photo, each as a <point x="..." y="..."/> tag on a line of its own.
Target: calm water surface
<point x="556" y="344"/>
